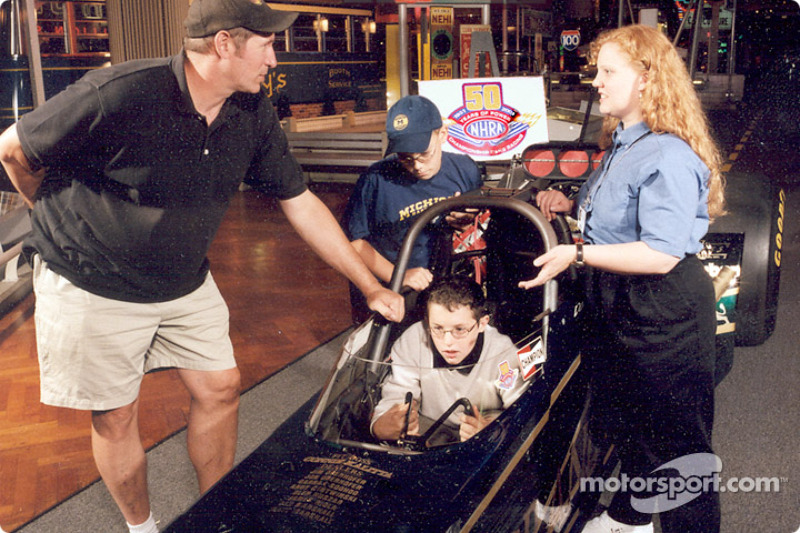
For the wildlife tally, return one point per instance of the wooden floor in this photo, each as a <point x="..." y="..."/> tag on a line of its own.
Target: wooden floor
<point x="284" y="302"/>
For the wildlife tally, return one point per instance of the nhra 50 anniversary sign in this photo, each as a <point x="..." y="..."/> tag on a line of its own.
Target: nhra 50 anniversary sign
<point x="490" y="118"/>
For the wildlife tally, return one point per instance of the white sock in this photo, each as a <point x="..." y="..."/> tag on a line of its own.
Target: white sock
<point x="148" y="526"/>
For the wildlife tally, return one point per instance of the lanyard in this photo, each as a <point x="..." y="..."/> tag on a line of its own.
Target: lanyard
<point x="612" y="162"/>
<point x="583" y="210"/>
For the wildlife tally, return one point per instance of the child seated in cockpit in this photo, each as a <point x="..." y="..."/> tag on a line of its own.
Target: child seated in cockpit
<point x="452" y="353"/>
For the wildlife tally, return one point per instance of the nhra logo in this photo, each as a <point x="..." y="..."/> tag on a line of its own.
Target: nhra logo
<point x="484" y="125"/>
<point x="570" y="39"/>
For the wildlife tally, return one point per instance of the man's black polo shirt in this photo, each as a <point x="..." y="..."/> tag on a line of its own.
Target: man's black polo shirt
<point x="137" y="183"/>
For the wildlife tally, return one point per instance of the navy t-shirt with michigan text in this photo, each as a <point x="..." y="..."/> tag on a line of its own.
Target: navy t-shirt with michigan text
<point x="387" y="200"/>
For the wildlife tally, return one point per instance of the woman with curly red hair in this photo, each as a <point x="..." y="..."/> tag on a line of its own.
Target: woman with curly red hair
<point x="650" y="303"/>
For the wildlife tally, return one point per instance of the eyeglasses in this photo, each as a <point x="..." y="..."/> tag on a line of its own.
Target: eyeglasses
<point x="410" y="159"/>
<point x="457" y="333"/>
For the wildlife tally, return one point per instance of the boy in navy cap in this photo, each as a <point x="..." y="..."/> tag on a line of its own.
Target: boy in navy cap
<point x="388" y="197"/>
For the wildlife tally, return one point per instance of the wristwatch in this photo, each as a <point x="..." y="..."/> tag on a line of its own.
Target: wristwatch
<point x="579" y="254"/>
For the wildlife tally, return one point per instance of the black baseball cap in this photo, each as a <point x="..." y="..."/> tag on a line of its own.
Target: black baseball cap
<point x="207" y="17"/>
<point x="409" y="124"/>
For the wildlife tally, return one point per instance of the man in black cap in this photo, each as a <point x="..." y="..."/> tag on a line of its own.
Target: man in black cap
<point x="390" y="195"/>
<point x="129" y="172"/>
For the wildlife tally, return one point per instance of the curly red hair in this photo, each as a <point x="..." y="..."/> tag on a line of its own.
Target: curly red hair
<point x="669" y="102"/>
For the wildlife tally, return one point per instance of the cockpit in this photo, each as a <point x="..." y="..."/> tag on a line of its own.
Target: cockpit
<point x="374" y="366"/>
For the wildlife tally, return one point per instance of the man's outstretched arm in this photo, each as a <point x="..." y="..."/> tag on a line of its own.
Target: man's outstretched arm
<point x="317" y="226"/>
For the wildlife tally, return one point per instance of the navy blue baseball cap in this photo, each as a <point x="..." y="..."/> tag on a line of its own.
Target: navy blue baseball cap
<point x="409" y="124"/>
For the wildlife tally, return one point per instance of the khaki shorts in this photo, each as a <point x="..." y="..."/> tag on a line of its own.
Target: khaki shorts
<point x="94" y="351"/>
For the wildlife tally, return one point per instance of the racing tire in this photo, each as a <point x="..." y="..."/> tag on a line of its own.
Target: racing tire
<point x="755" y="208"/>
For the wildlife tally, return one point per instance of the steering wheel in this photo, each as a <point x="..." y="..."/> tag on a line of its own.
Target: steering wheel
<point x="419" y="443"/>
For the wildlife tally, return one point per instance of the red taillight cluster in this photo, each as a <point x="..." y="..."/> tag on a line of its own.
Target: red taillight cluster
<point x="542" y="161"/>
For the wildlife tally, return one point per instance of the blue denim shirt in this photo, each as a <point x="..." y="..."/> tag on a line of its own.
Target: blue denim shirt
<point x="649" y="187"/>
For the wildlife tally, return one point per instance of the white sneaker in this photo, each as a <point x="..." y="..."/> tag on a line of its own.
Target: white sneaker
<point x="554" y="516"/>
<point x="606" y="524"/>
